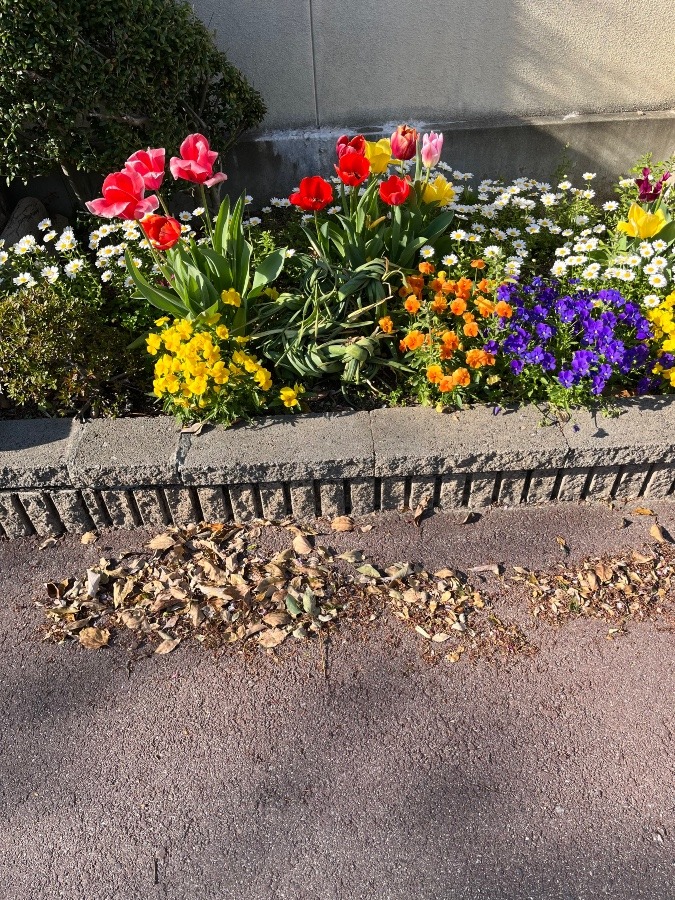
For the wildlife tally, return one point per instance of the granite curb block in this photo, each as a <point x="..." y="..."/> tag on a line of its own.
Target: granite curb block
<point x="58" y="475"/>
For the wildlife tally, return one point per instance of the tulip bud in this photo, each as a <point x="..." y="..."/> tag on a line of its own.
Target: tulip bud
<point x="404" y="142"/>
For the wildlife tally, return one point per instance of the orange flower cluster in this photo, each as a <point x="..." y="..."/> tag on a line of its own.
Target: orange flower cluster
<point x="448" y="320"/>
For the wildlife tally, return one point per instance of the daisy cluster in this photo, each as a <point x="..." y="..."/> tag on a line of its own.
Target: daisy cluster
<point x="51" y="258"/>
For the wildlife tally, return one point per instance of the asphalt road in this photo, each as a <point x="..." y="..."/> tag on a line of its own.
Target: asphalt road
<point x="191" y="777"/>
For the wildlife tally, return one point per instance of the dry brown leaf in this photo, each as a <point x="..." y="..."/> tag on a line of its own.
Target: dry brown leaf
<point x="89" y="537"/>
<point x="490" y="568"/>
<point x="440" y="637"/>
<point x="562" y="543"/>
<point x="195" y="429"/>
<point x="161" y="542"/>
<point x="641" y="558"/>
<point x="167" y="645"/>
<point x="366" y="528"/>
<point x="277" y="617"/>
<point x="272" y="638"/>
<point x="342" y="523"/>
<point x="659" y="534"/>
<point x="301" y="545"/>
<point x="643" y="511"/>
<point x="420" y="630"/>
<point x="94" y="638"/>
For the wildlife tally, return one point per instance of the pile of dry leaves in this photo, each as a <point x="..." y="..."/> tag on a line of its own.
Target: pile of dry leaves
<point x="218" y="584"/>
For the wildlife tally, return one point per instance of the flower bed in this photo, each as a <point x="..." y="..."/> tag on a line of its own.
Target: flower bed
<point x="397" y="280"/>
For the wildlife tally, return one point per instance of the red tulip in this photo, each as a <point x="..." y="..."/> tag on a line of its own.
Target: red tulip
<point x="149" y="164"/>
<point x="123" y="197"/>
<point x="163" y="232"/>
<point x="314" y="194"/>
<point x="404" y="142"/>
<point x="395" y="190"/>
<point x="353" y="169"/>
<point x="195" y="162"/>
<point x="346" y="144"/>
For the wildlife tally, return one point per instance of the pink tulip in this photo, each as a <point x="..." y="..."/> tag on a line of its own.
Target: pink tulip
<point x="123" y="197"/>
<point x="149" y="164"/>
<point x="195" y="162"/>
<point x="432" y="144"/>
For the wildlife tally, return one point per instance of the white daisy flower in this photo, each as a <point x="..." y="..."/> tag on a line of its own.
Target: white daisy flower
<point x="106" y="276"/>
<point x="267" y="209"/>
<point x="549" y="199"/>
<point x="588" y="176"/>
<point x="533" y="229"/>
<point x="651" y="301"/>
<point x="610" y="206"/>
<point x="306" y="218"/>
<point x="578" y="260"/>
<point x="565" y="185"/>
<point x="650" y="269"/>
<point x="512" y="268"/>
<point x="626" y="274"/>
<point x="185" y="229"/>
<point x="632" y="260"/>
<point x="427" y="251"/>
<point x="591" y="272"/>
<point x="513" y="232"/>
<point x="555" y="229"/>
<point x="24" y="279"/>
<point x="128" y="282"/>
<point x="289" y="253"/>
<point x="562" y="251"/>
<point x="4" y="256"/>
<point x="646" y="250"/>
<point x="333" y="210"/>
<point x="199" y="211"/>
<point x="73" y="267"/>
<point x="492" y="251"/>
<point x="253" y="221"/>
<point x="558" y="268"/>
<point x="51" y="273"/>
<point x="49" y="236"/>
<point x="519" y="245"/>
<point x="44" y="224"/>
<point x="581" y="220"/>
<point x="185" y="215"/>
<point x="659" y="262"/>
<point x="478" y="228"/>
<point x="248" y="199"/>
<point x="626" y="182"/>
<point x="658" y="280"/>
<point x="459" y="234"/>
<point x="449" y="259"/>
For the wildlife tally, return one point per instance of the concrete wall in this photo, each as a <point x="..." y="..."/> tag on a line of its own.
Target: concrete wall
<point x="363" y="62"/>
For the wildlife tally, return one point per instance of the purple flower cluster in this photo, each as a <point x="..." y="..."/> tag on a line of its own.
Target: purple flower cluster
<point x="648" y="192"/>
<point x="584" y="338"/>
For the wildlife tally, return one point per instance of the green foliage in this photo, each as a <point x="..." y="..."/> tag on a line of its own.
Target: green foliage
<point x="83" y="85"/>
<point x="57" y="353"/>
<point x="214" y="276"/>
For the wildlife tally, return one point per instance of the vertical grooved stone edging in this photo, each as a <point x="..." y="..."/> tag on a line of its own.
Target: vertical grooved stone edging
<point x="182" y="506"/>
<point x="72" y="511"/>
<point x="452" y="491"/>
<point x="483" y="489"/>
<point x="631" y="482"/>
<point x="13" y="518"/>
<point x="41" y="512"/>
<point x="393" y="493"/>
<point x="151" y="506"/>
<point x="273" y="500"/>
<point x="573" y="484"/>
<point x="121" y="510"/>
<point x="542" y="483"/>
<point x="660" y="484"/>
<point x="602" y="483"/>
<point x="512" y="488"/>
<point x="332" y="498"/>
<point x="96" y="508"/>
<point x="243" y="499"/>
<point x="303" y="504"/>
<point x="362" y="493"/>
<point x="215" y="507"/>
<point x="422" y="492"/>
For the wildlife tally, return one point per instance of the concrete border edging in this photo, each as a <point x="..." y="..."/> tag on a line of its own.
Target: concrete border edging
<point x="62" y="476"/>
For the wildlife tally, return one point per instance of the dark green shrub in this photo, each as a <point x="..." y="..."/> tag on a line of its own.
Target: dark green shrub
<point x="84" y="84"/>
<point x="57" y="353"/>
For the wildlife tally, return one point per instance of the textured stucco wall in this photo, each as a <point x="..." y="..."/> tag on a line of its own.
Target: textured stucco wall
<point x="361" y="62"/>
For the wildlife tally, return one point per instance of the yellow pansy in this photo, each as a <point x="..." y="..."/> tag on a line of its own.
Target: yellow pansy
<point x="378" y="154"/>
<point x="264" y="378"/>
<point x="153" y="342"/>
<point x="231" y="297"/>
<point x="439" y="191"/>
<point x="162" y="321"/>
<point x="271" y="292"/>
<point x="183" y="329"/>
<point x="642" y="224"/>
<point x="289" y="395"/>
<point x="222" y="332"/>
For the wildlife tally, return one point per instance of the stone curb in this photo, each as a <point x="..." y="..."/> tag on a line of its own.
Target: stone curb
<point x="61" y="476"/>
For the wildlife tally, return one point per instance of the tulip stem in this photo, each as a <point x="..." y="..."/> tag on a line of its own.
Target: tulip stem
<point x="207" y="214"/>
<point x="163" y="204"/>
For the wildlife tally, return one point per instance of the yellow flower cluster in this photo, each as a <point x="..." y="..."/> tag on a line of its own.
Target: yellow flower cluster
<point x="661" y="318"/>
<point x="191" y="370"/>
<point x="290" y="396"/>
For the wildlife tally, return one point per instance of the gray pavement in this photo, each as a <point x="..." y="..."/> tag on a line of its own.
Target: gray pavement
<point x="192" y="777"/>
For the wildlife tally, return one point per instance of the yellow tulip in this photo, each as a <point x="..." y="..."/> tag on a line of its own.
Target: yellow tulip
<point x="439" y="191"/>
<point x="642" y="224"/>
<point x="231" y="297"/>
<point x="378" y="154"/>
